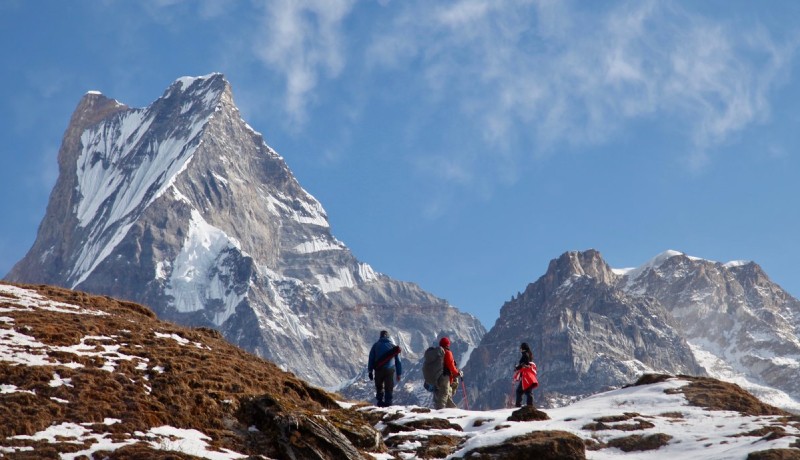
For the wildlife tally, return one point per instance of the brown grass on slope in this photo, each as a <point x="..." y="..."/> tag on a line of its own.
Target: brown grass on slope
<point x="148" y="373"/>
<point x="715" y="394"/>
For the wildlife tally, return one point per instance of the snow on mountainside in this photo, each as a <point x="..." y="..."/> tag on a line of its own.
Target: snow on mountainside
<point x="183" y="207"/>
<point x="592" y="327"/>
<point x="108" y="194"/>
<point x="85" y="376"/>
<point x="586" y="336"/>
<point x="740" y="325"/>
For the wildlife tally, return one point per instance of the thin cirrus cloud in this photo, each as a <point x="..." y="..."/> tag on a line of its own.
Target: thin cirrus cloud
<point x="303" y="41"/>
<point x="578" y="79"/>
<point x="536" y="77"/>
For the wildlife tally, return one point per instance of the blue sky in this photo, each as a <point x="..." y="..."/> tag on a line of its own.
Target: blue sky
<point x="460" y="145"/>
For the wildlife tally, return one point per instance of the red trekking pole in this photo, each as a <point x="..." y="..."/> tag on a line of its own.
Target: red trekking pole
<point x="464" y="387"/>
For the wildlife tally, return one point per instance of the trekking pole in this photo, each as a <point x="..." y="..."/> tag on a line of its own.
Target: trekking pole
<point x="464" y="387"/>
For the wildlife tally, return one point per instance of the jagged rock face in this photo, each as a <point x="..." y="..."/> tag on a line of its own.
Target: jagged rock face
<point x="586" y="336"/>
<point x="183" y="207"/>
<point x="740" y="324"/>
<point x="592" y="327"/>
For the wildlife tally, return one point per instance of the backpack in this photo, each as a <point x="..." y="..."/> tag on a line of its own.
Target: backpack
<point x="433" y="365"/>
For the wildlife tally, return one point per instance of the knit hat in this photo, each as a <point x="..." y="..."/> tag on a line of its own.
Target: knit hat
<point x="444" y="342"/>
<point x="384" y="334"/>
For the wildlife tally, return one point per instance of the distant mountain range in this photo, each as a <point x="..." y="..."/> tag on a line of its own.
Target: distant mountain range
<point x="182" y="206"/>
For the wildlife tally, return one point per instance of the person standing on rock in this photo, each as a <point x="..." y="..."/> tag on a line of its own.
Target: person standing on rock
<point x="443" y="397"/>
<point x="526" y="374"/>
<point x="384" y="360"/>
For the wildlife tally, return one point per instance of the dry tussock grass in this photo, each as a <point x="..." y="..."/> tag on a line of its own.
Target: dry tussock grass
<point x="205" y="384"/>
<point x="715" y="394"/>
<point x="638" y="442"/>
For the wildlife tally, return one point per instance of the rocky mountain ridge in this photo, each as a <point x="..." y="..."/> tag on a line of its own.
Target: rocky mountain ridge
<point x="592" y="327"/>
<point x="183" y="207"/>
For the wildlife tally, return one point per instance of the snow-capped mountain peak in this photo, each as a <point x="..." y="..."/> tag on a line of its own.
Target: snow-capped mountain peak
<point x="182" y="206"/>
<point x="125" y="164"/>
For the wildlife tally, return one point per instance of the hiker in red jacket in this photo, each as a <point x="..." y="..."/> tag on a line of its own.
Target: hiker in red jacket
<point x="526" y="374"/>
<point x="444" y="386"/>
<point x="384" y="359"/>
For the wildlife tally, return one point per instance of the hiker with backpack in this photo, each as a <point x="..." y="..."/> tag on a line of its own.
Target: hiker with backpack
<point x="440" y="372"/>
<point x="526" y="374"/>
<point x="384" y="360"/>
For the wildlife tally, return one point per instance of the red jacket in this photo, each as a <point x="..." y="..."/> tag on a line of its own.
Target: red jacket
<point x="527" y="374"/>
<point x="450" y="364"/>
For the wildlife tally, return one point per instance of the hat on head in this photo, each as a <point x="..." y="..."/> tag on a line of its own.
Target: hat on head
<point x="525" y="346"/>
<point x="444" y="342"/>
<point x="384" y="334"/>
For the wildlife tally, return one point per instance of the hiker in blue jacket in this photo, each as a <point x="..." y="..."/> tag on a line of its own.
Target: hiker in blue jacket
<point x="383" y="359"/>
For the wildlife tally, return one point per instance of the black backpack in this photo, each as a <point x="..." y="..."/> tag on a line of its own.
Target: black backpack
<point x="432" y="366"/>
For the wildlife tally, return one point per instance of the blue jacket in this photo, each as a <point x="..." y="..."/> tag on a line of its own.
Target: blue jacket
<point x="382" y="346"/>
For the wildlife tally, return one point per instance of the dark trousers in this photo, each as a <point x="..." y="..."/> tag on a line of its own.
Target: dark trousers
<point x="384" y="386"/>
<point x="528" y="396"/>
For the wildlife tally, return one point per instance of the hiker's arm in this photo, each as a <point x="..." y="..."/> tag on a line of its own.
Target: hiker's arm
<point x="371" y="362"/>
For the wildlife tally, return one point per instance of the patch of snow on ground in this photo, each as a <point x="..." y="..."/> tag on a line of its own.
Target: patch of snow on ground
<point x="58" y="381"/>
<point x="19" y="348"/>
<point x="165" y="438"/>
<point x="190" y="442"/>
<point x="26" y="299"/>
<point x="7" y="389"/>
<point x="697" y="434"/>
<point x="174" y="337"/>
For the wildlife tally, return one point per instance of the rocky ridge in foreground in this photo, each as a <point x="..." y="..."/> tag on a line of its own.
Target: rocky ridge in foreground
<point x="83" y="376"/>
<point x="93" y="376"/>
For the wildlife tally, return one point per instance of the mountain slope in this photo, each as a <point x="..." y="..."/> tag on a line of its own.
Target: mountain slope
<point x="592" y="327"/>
<point x="586" y="336"/>
<point x="86" y="375"/>
<point x="183" y="207"/>
<point x="741" y="325"/>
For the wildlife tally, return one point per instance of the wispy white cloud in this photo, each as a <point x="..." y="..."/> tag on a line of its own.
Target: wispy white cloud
<point x="568" y="77"/>
<point x="302" y="40"/>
